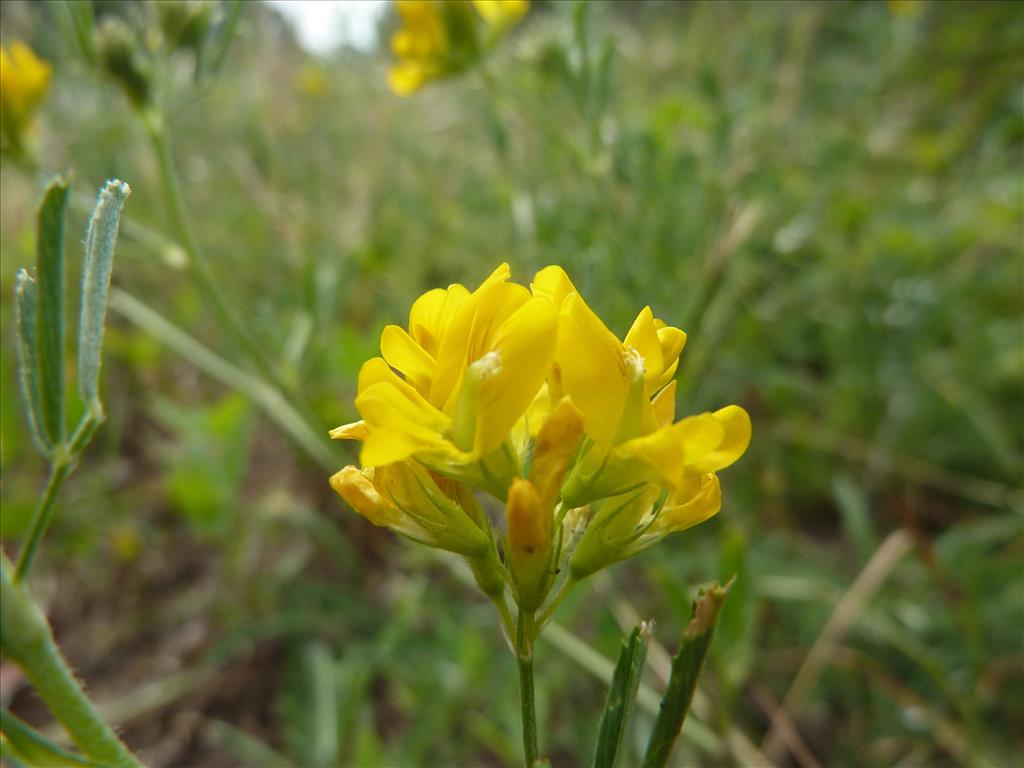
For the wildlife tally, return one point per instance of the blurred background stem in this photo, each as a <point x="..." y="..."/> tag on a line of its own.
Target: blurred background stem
<point x="156" y="128"/>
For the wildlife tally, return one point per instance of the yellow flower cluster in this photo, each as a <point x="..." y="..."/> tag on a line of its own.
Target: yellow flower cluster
<point x="526" y="395"/>
<point x="442" y="37"/>
<point x="24" y="83"/>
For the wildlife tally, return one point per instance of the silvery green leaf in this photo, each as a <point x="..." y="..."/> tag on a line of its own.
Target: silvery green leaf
<point x="100" y="238"/>
<point x="25" y="300"/>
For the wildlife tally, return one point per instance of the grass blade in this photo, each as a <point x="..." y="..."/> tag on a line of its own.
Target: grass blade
<point x="25" y="300"/>
<point x="621" y="696"/>
<point x="50" y="308"/>
<point x="686" y="667"/>
<point x="273" y="404"/>
<point x="99" y="260"/>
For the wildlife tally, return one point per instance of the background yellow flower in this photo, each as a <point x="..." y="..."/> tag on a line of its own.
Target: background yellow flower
<point x="24" y="83"/>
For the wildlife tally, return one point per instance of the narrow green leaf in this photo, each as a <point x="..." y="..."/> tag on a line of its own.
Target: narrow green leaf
<point x="855" y="509"/>
<point x="100" y="238"/>
<point x="686" y="667"/>
<point x="245" y="748"/>
<point x="621" y="696"/>
<point x="50" y="308"/>
<point x="35" y="749"/>
<point x="25" y="300"/>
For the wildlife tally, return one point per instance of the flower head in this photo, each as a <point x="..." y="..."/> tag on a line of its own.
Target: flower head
<point x="439" y="38"/>
<point x="24" y="83"/>
<point x="526" y="395"/>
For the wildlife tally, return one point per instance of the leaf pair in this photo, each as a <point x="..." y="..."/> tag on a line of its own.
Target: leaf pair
<point x="40" y="316"/>
<point x="686" y="668"/>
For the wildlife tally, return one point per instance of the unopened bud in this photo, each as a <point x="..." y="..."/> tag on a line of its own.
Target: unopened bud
<point x="121" y="57"/>
<point x="529" y="543"/>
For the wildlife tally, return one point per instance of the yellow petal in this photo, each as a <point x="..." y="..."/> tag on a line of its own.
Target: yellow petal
<point x="500" y="275"/>
<point x="374" y="371"/>
<point x="431" y="313"/>
<point x="401" y="423"/>
<point x="356" y="488"/>
<point x="679" y="516"/>
<point x="404" y="354"/>
<point x="657" y="457"/>
<point x="525" y="346"/>
<point x="672" y="342"/>
<point x="736" y="430"/>
<point x="643" y="337"/>
<point x="698" y="435"/>
<point x="593" y="369"/>
<point x="555" y="449"/>
<point x="553" y="283"/>
<point x="501" y="12"/>
<point x="664" y="405"/>
<point x="406" y="77"/>
<point x="470" y="335"/>
<point x="355" y="431"/>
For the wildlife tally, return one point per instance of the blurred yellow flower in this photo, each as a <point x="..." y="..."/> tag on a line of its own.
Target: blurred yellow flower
<point x="313" y="81"/>
<point x="442" y="37"/>
<point x="24" y="83"/>
<point x="501" y="13"/>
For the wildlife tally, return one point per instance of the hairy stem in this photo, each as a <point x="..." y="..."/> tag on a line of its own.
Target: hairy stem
<point x="26" y="638"/>
<point x="524" y="658"/>
<point x="44" y="514"/>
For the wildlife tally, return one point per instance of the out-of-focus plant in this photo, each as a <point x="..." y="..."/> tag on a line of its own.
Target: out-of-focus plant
<point x="525" y="395"/>
<point x="25" y="635"/>
<point x="24" y="83"/>
<point x="141" y="58"/>
<point x="439" y="38"/>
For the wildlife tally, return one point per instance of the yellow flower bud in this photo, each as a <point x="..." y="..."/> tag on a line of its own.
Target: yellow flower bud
<point x="405" y="498"/>
<point x="529" y="543"/>
<point x="554" y="450"/>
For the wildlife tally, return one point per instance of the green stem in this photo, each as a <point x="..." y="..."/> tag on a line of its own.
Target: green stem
<point x="26" y="638"/>
<point x="506" y="616"/>
<point x="524" y="658"/>
<point x="548" y="612"/>
<point x="156" y="126"/>
<point x="64" y="460"/>
<point x="44" y="514"/>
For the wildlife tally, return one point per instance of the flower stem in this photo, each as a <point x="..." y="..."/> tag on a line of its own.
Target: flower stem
<point x="27" y="640"/>
<point x="524" y="658"/>
<point x="198" y="267"/>
<point x="548" y="612"/>
<point x="64" y="459"/>
<point x="44" y="514"/>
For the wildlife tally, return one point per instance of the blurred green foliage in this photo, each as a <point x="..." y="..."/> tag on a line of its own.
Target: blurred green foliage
<point x="828" y="198"/>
